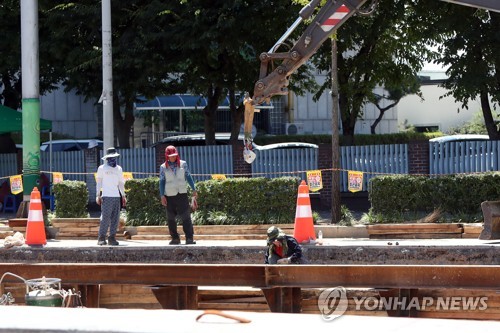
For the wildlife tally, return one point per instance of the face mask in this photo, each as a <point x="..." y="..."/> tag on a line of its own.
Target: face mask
<point x="111" y="161"/>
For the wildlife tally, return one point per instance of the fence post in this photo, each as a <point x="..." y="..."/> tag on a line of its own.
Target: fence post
<point x="418" y="157"/>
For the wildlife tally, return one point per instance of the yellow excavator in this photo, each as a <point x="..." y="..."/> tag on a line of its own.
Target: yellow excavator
<point x="329" y="18"/>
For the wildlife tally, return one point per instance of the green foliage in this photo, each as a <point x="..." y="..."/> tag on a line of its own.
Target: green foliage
<point x="475" y="126"/>
<point x="143" y="202"/>
<point x="359" y="140"/>
<point x="247" y="201"/>
<point x="385" y="49"/>
<point x="71" y="199"/>
<point x="452" y="194"/>
<point x="346" y="217"/>
<point x="232" y="201"/>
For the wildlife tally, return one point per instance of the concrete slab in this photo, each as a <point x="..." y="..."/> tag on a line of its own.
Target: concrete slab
<point x="333" y="251"/>
<point x="39" y="319"/>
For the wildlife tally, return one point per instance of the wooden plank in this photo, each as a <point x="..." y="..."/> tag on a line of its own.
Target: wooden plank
<point x="385" y="276"/>
<point x="414" y="228"/>
<point x="234" y="307"/>
<point x="150" y="237"/>
<point x="417" y="236"/>
<point x="201" y="237"/>
<point x="75" y="225"/>
<point x="262" y="276"/>
<point x="214" y="229"/>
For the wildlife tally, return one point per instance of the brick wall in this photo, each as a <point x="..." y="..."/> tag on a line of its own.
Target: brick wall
<point x="418" y="157"/>
<point x="325" y="162"/>
<point x="240" y="167"/>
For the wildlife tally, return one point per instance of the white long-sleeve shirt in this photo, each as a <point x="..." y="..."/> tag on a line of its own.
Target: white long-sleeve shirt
<point x="110" y="181"/>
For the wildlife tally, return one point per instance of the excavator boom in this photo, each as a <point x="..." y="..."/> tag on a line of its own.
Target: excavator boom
<point x="329" y="18"/>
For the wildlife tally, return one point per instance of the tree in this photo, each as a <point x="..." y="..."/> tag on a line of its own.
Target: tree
<point x="471" y="49"/>
<point x="220" y="42"/>
<point x="394" y="95"/>
<point x="385" y="49"/>
<point x="203" y="47"/>
<point x="10" y="62"/>
<point x="141" y="62"/>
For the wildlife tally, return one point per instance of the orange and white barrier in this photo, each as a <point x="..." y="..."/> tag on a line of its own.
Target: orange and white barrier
<point x="304" y="226"/>
<point x="35" y="227"/>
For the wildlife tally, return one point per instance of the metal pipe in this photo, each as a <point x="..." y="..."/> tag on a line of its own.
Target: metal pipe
<point x="107" y="77"/>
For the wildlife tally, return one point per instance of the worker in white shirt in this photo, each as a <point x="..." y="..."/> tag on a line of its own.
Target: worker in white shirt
<point x="110" y="191"/>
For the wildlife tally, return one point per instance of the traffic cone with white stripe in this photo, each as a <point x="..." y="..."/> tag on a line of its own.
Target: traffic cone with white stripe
<point x="304" y="226"/>
<point x="35" y="227"/>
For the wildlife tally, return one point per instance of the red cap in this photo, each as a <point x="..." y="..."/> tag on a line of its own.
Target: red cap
<point x="171" y="151"/>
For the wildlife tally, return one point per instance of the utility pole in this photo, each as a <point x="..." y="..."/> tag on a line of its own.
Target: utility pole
<point x="336" y="211"/>
<point x="107" y="77"/>
<point x="30" y="97"/>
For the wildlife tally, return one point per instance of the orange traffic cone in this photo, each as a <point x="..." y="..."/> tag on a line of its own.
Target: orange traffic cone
<point x="35" y="228"/>
<point x="304" y="226"/>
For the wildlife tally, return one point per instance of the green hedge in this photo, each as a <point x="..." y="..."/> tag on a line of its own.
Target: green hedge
<point x="231" y="201"/>
<point x="247" y="201"/>
<point x="71" y="199"/>
<point x="452" y="194"/>
<point x="143" y="202"/>
<point x="359" y="139"/>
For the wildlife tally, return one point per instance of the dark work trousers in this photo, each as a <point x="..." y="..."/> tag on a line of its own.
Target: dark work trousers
<point x="179" y="205"/>
<point x="110" y="216"/>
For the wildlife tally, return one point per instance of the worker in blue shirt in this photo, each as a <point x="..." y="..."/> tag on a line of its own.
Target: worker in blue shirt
<point x="174" y="177"/>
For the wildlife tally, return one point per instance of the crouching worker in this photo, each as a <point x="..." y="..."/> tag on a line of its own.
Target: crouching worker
<point x="282" y="249"/>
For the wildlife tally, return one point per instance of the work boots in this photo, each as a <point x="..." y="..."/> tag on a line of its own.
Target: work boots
<point x="190" y="241"/>
<point x="101" y="241"/>
<point x="112" y="241"/>
<point x="175" y="241"/>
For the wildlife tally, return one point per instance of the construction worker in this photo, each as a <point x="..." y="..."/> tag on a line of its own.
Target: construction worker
<point x="174" y="177"/>
<point x="282" y="249"/>
<point x="110" y="189"/>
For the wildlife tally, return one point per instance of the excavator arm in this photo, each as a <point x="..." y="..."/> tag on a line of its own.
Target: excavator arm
<point x="330" y="17"/>
<point x="274" y="81"/>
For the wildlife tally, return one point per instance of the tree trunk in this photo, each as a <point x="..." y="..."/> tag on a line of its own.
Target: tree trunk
<point x="213" y="97"/>
<point x="488" y="117"/>
<point x="336" y="211"/>
<point x="236" y="116"/>
<point x="123" y="126"/>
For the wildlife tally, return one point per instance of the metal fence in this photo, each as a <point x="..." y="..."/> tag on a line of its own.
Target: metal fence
<point x="140" y="161"/>
<point x="275" y="163"/>
<point x="373" y="161"/>
<point x="70" y="163"/>
<point x="8" y="165"/>
<point x="463" y="157"/>
<point x="203" y="161"/>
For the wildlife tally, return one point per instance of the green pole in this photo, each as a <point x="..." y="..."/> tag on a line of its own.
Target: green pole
<point x="31" y="145"/>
